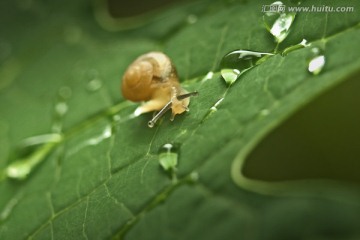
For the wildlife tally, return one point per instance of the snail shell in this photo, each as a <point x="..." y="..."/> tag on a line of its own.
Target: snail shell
<point x="152" y="78"/>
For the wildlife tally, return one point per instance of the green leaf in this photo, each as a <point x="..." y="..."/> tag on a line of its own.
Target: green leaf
<point x="94" y="169"/>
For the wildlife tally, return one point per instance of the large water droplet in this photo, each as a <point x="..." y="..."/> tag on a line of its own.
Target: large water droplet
<point x="317" y="62"/>
<point x="281" y="26"/>
<point x="237" y="62"/>
<point x="277" y="21"/>
<point x="18" y="170"/>
<point x="168" y="156"/>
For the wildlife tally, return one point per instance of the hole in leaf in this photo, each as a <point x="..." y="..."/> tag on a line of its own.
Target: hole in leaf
<point x="322" y="140"/>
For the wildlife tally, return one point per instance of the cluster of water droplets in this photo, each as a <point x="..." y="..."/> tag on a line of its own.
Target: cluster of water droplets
<point x="61" y="108"/>
<point x="278" y="22"/>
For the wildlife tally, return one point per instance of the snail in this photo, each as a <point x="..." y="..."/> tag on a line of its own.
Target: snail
<point x="152" y="78"/>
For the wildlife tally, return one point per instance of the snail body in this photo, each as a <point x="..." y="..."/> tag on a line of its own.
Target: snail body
<point x="152" y="78"/>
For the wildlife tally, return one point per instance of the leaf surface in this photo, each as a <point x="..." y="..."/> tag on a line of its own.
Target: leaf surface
<point x="60" y="73"/>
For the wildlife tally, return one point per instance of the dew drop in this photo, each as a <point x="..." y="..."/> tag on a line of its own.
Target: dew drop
<point x="214" y="107"/>
<point x="317" y="62"/>
<point x="116" y="118"/>
<point x="281" y="26"/>
<point x="168" y="156"/>
<point x="235" y="63"/>
<point x="65" y="92"/>
<point x="191" y="19"/>
<point x="264" y="112"/>
<point x="94" y="85"/>
<point x="61" y="108"/>
<point x="208" y="76"/>
<point x="277" y="21"/>
<point x="194" y="176"/>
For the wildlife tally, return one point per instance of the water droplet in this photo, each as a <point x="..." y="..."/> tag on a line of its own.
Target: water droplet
<point x="278" y="22"/>
<point x="18" y="170"/>
<point x="264" y="112"/>
<point x="317" y="62"/>
<point x="65" y="92"/>
<point x="61" y="108"/>
<point x="208" y="76"/>
<point x="191" y="19"/>
<point x="94" y="85"/>
<point x="194" y="176"/>
<point x="168" y="156"/>
<point x="214" y="107"/>
<point x="237" y="62"/>
<point x="116" y="118"/>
